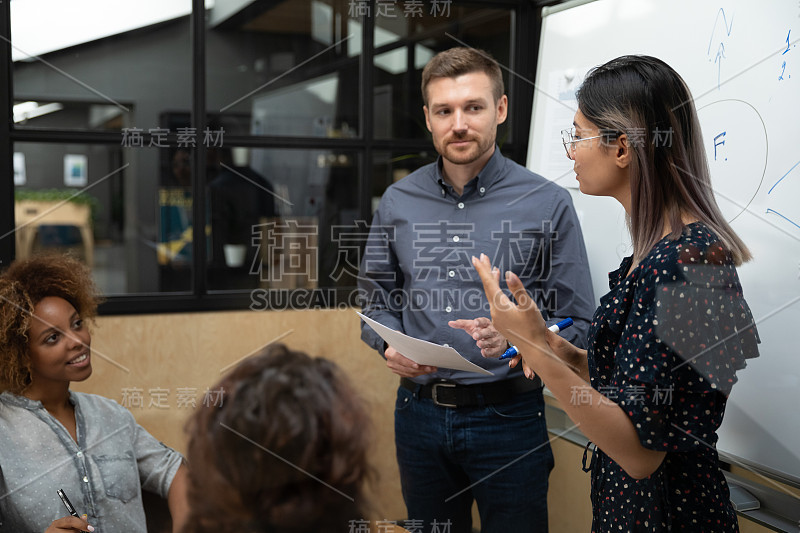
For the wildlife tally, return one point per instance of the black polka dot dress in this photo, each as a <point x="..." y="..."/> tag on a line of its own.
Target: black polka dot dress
<point x="665" y="345"/>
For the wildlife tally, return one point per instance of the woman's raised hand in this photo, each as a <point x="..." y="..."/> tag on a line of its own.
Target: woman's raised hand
<point x="521" y="323"/>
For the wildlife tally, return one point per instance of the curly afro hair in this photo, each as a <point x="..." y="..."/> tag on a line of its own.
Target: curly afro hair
<point x="285" y="451"/>
<point x="23" y="285"/>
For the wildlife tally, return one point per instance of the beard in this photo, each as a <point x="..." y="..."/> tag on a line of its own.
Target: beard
<point x="463" y="155"/>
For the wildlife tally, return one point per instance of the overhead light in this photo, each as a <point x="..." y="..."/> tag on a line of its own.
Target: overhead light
<point x="28" y="110"/>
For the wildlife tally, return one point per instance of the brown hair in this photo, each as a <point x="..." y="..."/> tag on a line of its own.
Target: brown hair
<point x="669" y="170"/>
<point x="459" y="61"/>
<point x="23" y="285"/>
<point x="285" y="451"/>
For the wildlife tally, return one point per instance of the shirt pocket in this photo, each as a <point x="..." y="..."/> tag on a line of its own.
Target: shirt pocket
<point x="120" y="476"/>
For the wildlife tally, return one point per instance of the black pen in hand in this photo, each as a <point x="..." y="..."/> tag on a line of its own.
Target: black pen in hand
<point x="68" y="504"/>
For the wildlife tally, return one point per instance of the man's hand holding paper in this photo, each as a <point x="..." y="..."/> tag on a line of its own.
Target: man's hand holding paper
<point x="405" y="367"/>
<point x="422" y="352"/>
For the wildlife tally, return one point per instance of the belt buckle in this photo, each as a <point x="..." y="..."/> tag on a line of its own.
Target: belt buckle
<point x="435" y="394"/>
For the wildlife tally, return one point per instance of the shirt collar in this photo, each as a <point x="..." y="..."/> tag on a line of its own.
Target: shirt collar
<point x="488" y="176"/>
<point x="23" y="401"/>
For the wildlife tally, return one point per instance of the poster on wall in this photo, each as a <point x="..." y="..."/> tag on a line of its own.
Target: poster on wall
<point x="76" y="170"/>
<point x="19" y="169"/>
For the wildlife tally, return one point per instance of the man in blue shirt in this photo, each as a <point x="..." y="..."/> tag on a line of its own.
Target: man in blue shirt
<point x="459" y="435"/>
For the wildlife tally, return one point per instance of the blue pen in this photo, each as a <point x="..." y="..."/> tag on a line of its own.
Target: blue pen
<point x="555" y="328"/>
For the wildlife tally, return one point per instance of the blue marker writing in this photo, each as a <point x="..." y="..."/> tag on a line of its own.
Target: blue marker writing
<point x="555" y="328"/>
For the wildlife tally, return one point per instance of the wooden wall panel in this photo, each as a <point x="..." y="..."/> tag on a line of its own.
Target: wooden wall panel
<point x="153" y="356"/>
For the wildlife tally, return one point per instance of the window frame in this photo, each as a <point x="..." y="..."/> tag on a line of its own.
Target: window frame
<point x="524" y="51"/>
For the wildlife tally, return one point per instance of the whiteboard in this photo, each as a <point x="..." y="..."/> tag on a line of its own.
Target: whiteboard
<point x="742" y="63"/>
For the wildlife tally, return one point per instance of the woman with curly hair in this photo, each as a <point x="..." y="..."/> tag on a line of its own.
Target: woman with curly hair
<point x="53" y="438"/>
<point x="286" y="451"/>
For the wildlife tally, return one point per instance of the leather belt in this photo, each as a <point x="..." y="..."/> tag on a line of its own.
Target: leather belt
<point x="450" y="394"/>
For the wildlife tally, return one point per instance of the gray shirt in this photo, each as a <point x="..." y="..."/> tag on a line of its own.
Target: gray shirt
<point x="416" y="272"/>
<point x="103" y="474"/>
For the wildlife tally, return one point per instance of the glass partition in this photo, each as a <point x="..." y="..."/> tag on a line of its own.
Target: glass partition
<point x="287" y="68"/>
<point x="110" y="157"/>
<point x="407" y="37"/>
<point x="277" y="217"/>
<point x="99" y="65"/>
<point x="87" y="199"/>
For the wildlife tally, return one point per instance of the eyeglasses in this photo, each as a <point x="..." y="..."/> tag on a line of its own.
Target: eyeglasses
<point x="569" y="140"/>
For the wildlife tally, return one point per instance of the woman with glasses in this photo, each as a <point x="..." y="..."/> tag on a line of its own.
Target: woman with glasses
<point x="667" y="340"/>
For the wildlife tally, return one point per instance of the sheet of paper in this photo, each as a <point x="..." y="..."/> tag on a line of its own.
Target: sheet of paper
<point x="423" y="352"/>
<point x="561" y="105"/>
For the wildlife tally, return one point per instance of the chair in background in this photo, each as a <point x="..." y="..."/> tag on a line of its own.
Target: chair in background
<point x="34" y="216"/>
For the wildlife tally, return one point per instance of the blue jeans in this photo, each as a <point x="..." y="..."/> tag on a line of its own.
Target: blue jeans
<point x="497" y="454"/>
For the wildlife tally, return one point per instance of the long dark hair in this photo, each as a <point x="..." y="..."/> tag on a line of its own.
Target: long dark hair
<point x="284" y="451"/>
<point x="643" y="97"/>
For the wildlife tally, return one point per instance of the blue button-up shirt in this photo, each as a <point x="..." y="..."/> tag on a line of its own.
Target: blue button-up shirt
<point x="416" y="271"/>
<point x="103" y="473"/>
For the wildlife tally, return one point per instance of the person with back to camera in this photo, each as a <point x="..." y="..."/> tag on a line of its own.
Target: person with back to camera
<point x="667" y="340"/>
<point x="285" y="451"/>
<point x="52" y="438"/>
<point x="456" y="432"/>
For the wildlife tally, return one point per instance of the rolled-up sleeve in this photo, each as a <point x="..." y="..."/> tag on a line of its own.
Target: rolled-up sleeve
<point x="157" y="462"/>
